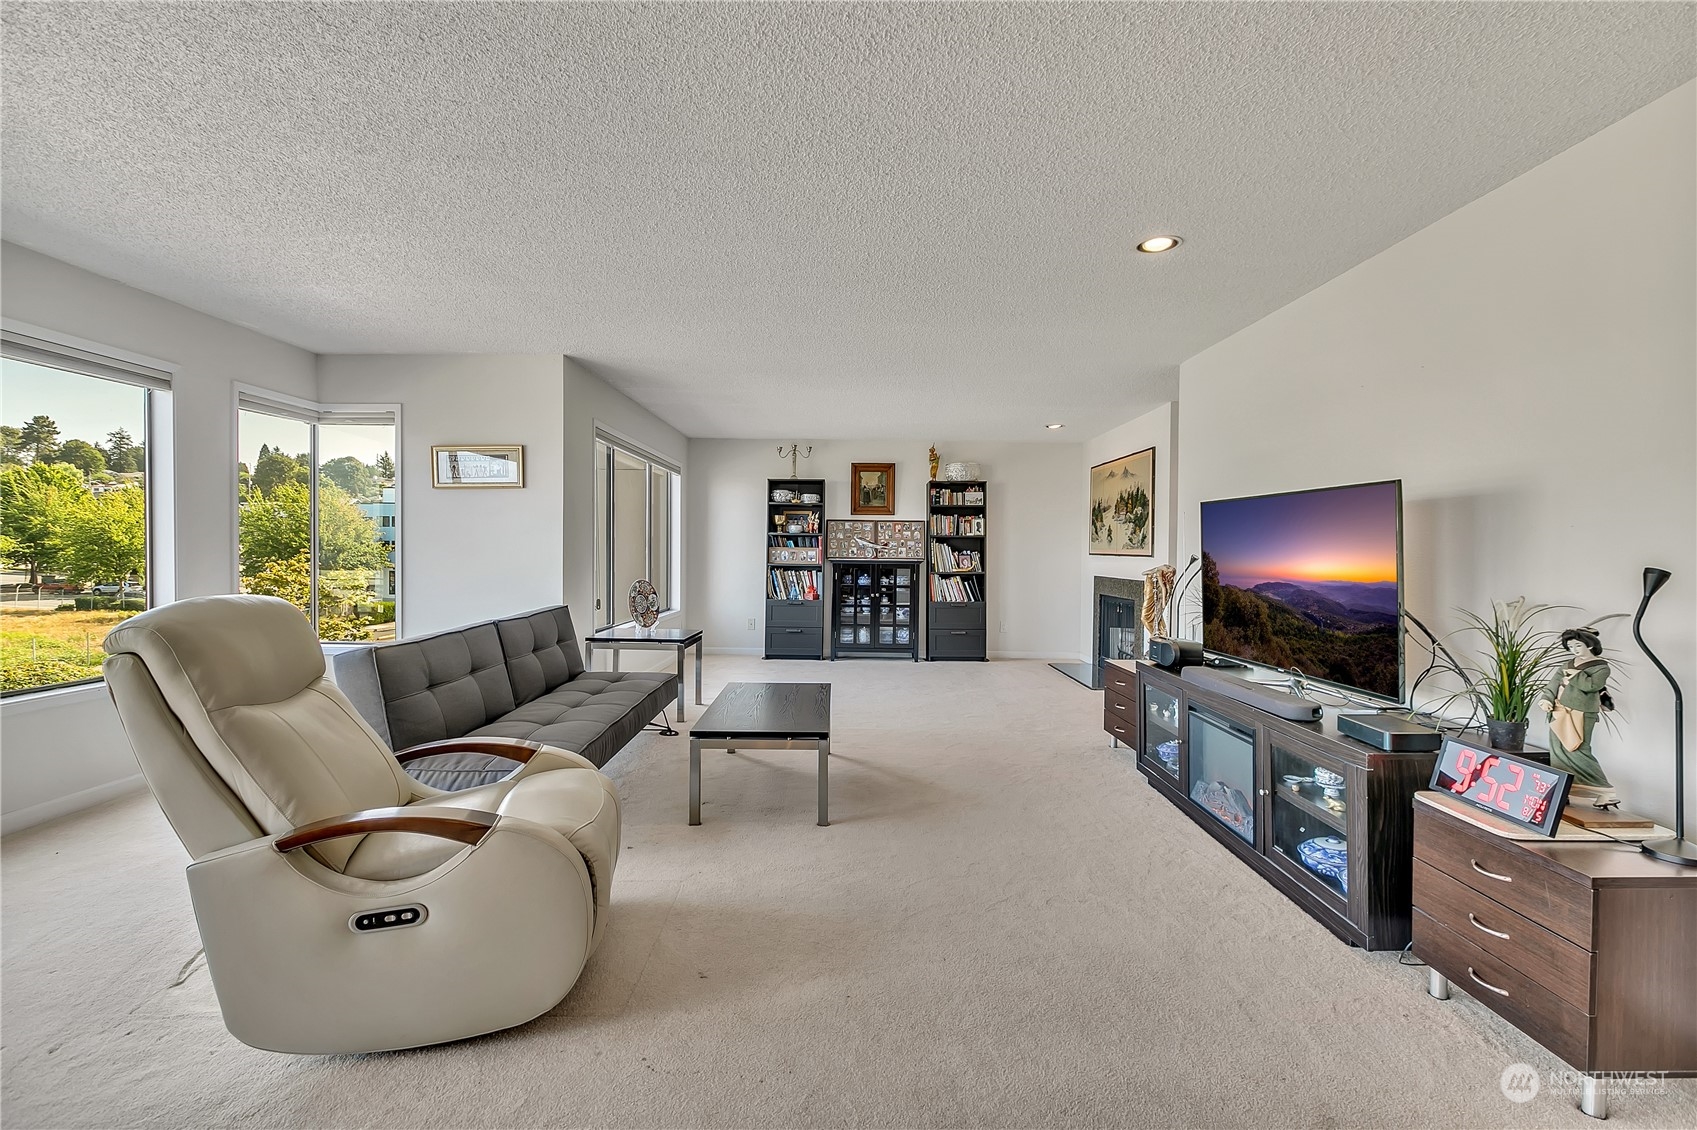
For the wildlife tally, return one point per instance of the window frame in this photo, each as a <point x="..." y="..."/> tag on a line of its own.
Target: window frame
<point x="254" y="398"/>
<point x="615" y="444"/>
<point x="36" y="345"/>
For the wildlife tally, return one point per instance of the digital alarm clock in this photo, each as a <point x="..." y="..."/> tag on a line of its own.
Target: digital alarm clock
<point x="1529" y="794"/>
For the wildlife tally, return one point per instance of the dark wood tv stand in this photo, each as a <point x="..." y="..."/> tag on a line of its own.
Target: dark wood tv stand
<point x="1346" y="790"/>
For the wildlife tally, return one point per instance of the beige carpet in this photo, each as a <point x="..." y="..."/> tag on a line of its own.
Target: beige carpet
<point x="1003" y="927"/>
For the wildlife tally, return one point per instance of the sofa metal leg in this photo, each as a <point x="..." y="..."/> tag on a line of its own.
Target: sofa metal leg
<point x="663" y="727"/>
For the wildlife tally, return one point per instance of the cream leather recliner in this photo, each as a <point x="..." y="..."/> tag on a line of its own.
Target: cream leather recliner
<point x="345" y="907"/>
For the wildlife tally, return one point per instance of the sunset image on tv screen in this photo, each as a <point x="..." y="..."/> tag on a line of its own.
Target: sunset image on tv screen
<point x="1307" y="581"/>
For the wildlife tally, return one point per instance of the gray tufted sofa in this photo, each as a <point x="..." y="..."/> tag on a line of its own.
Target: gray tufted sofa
<point x="521" y="677"/>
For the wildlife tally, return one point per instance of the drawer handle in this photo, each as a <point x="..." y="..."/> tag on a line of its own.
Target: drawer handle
<point x="792" y="631"/>
<point x="1490" y="874"/>
<point x="957" y="633"/>
<point x="1486" y="984"/>
<point x="1119" y="706"/>
<point x="1478" y="925"/>
<point x="1119" y="729"/>
<point x="1117" y="683"/>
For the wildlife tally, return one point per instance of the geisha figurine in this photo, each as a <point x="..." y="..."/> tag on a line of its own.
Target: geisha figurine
<point x="1575" y="696"/>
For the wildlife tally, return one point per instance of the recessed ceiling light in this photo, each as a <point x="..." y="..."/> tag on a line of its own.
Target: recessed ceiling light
<point x="1054" y="427"/>
<point x="1156" y="244"/>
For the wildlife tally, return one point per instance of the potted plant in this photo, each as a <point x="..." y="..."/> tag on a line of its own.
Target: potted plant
<point x="1515" y="661"/>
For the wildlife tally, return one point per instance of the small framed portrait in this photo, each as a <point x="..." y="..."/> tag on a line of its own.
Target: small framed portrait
<point x="473" y="465"/>
<point x="872" y="488"/>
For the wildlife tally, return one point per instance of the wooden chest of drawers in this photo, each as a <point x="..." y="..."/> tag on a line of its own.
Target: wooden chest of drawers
<point x="1588" y="947"/>
<point x="1119" y="702"/>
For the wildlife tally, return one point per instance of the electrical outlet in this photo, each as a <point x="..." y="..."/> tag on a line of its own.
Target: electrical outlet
<point x="751" y="624"/>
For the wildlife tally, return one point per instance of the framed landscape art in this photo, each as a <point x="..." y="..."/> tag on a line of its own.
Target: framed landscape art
<point x="1122" y="506"/>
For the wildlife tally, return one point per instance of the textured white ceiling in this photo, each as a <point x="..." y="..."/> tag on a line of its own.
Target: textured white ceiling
<point x="822" y="220"/>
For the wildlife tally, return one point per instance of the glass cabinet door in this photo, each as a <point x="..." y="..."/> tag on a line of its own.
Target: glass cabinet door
<point x="1159" y="730"/>
<point x="1311" y="799"/>
<point x="1222" y="771"/>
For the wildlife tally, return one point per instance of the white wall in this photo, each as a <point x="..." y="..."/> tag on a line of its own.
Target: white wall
<point x="1034" y="513"/>
<point x="468" y="555"/>
<point x="590" y="403"/>
<point x="1526" y="366"/>
<point x="64" y="750"/>
<point x="1157" y="428"/>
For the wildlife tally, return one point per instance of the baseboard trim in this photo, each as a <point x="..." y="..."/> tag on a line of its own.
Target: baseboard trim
<point x="1032" y="655"/>
<point x="734" y="651"/>
<point x="63" y="806"/>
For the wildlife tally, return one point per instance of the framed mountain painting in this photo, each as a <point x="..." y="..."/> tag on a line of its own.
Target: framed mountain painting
<point x="1122" y="506"/>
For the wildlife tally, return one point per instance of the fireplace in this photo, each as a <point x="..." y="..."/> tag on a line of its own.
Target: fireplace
<point x="1118" y="629"/>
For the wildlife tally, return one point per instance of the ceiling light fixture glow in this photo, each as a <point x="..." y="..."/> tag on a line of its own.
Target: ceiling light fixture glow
<point x="1156" y="244"/>
<point x="1054" y="427"/>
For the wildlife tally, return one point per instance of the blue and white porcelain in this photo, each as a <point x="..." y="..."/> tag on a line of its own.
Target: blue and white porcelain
<point x="1327" y="856"/>
<point x="1168" y="753"/>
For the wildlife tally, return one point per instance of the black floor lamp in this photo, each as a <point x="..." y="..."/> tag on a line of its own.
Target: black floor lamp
<point x="1675" y="849"/>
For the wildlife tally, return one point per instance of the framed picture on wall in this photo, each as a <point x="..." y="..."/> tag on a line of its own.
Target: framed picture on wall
<point x="468" y="465"/>
<point x="872" y="488"/>
<point x="1122" y="506"/>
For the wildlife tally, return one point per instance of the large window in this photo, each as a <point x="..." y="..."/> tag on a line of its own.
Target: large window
<point x="315" y="493"/>
<point x="73" y="508"/>
<point x="636" y="507"/>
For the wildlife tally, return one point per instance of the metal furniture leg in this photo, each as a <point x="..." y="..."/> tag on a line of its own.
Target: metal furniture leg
<point x="615" y="658"/>
<point x="698" y="701"/>
<point x="1594" y="1096"/>
<point x="1437" y="985"/>
<point x="680" y="683"/>
<point x="825" y="783"/>
<point x="695" y="781"/>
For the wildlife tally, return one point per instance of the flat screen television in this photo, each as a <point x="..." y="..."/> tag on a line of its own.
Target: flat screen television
<point x="1310" y="581"/>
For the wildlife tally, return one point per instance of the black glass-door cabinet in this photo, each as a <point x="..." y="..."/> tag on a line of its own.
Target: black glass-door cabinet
<point x="875" y="609"/>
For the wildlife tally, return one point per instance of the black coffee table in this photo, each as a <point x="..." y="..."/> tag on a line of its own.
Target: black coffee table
<point x="765" y="716"/>
<point x="663" y="639"/>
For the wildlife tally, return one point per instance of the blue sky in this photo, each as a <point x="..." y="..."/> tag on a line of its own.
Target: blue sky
<point x="85" y="408"/>
<point x="88" y="408"/>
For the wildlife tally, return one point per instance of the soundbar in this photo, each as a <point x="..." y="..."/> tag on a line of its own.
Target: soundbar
<point x="1292" y="708"/>
<point x="1173" y="654"/>
<point x="1392" y="733"/>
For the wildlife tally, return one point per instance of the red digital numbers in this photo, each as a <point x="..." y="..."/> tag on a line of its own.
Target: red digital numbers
<point x="1464" y="762"/>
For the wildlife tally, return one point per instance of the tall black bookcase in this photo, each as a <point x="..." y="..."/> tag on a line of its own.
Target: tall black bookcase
<point x="795" y="569"/>
<point x="956" y="624"/>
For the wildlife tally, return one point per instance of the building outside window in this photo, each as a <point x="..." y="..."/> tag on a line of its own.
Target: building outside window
<point x="74" y="508"/>
<point x="315" y="513"/>
<point x="636" y="513"/>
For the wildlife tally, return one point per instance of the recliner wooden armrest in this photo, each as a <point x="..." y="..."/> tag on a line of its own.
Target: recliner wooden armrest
<point x="513" y="749"/>
<point x="465" y="825"/>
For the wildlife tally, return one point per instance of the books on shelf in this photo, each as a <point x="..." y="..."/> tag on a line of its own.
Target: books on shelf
<point x="956" y="590"/>
<point x="947" y="559"/>
<point x="943" y="496"/>
<point x="957" y="525"/>
<point x="792" y="584"/>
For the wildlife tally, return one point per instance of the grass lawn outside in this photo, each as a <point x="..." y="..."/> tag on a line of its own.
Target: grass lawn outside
<point x="39" y="647"/>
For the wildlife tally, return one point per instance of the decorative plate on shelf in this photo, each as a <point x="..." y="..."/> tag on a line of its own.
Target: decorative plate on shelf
<point x="644" y="602"/>
<point x="1327" y="856"/>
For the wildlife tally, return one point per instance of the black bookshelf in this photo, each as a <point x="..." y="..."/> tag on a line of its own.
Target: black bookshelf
<point x="956" y="624"/>
<point x="875" y="608"/>
<point x="795" y="573"/>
